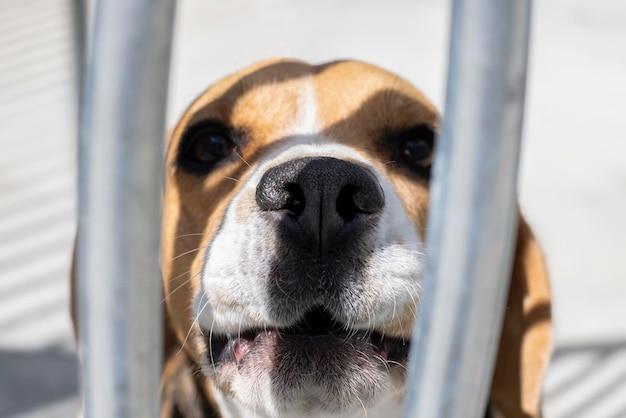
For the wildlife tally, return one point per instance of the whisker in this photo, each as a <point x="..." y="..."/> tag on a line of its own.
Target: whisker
<point x="195" y="321"/>
<point x="278" y="279"/>
<point x="186" y="252"/>
<point x="211" y="348"/>
<point x="395" y="305"/>
<point x="397" y="363"/>
<point x="415" y="303"/>
<point x="188" y="235"/>
<point x="180" y="286"/>
<point x="180" y="275"/>
<point x="362" y="405"/>
<point x="190" y="251"/>
<point x="242" y="159"/>
<point x="384" y="362"/>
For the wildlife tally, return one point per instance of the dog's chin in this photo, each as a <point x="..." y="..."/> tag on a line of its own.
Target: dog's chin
<point x="304" y="369"/>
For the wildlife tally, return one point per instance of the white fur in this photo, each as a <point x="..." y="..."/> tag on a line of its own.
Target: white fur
<point x="306" y="122"/>
<point x="390" y="407"/>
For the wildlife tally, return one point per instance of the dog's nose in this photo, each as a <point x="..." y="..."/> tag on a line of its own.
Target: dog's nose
<point x="324" y="198"/>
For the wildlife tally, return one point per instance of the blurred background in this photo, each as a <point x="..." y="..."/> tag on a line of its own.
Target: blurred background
<point x="572" y="185"/>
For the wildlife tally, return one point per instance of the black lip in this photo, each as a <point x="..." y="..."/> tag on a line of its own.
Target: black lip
<point x="317" y="325"/>
<point x="316" y="322"/>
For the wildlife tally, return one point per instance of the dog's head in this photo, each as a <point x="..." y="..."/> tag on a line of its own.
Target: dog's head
<point x="294" y="225"/>
<point x="294" y="232"/>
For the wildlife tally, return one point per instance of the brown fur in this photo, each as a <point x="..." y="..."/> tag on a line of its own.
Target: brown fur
<point x="352" y="114"/>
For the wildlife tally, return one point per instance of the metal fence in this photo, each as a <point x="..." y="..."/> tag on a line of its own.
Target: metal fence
<point x="473" y="211"/>
<point x="471" y="225"/>
<point x="120" y="175"/>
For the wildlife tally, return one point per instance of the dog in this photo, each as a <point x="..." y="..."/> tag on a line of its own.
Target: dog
<point x="293" y="250"/>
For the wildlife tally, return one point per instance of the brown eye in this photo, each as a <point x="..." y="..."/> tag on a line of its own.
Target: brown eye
<point x="417" y="151"/>
<point x="204" y="146"/>
<point x="411" y="149"/>
<point x="209" y="147"/>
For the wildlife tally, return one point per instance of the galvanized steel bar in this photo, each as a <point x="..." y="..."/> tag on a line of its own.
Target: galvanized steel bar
<point x="473" y="215"/>
<point x="120" y="176"/>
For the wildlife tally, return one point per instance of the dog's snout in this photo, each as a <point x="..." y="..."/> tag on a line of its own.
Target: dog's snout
<point x="326" y="197"/>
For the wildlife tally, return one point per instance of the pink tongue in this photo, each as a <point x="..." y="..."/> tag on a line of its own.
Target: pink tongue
<point x="241" y="348"/>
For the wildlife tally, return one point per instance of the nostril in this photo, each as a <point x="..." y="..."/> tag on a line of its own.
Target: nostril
<point x="346" y="206"/>
<point x="295" y="201"/>
<point x="365" y="198"/>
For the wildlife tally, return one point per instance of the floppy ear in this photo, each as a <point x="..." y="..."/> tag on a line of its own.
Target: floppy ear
<point x="184" y="392"/>
<point x="526" y="340"/>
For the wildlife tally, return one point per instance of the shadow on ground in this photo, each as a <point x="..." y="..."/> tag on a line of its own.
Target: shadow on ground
<point x="588" y="380"/>
<point x="33" y="379"/>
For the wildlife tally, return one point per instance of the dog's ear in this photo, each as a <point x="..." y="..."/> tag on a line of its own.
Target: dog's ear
<point x="184" y="391"/>
<point x="526" y="341"/>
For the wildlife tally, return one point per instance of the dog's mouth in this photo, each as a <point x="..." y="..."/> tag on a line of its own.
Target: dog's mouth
<point x="317" y="334"/>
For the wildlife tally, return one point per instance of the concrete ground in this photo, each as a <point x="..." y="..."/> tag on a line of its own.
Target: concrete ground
<point x="573" y="179"/>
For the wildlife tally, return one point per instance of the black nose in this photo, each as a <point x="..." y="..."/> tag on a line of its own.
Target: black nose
<point x="325" y="199"/>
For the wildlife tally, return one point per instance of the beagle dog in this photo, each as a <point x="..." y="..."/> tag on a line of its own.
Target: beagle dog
<point x="293" y="250"/>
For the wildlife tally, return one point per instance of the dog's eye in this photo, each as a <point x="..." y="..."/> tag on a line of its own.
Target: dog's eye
<point x="207" y="147"/>
<point x="417" y="151"/>
<point x="203" y="146"/>
<point x="411" y="148"/>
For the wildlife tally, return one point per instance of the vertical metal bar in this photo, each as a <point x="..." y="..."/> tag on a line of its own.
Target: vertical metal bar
<point x="473" y="216"/>
<point x="120" y="175"/>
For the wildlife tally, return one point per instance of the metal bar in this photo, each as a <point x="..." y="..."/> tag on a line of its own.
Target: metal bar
<point x="473" y="216"/>
<point x="120" y="176"/>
